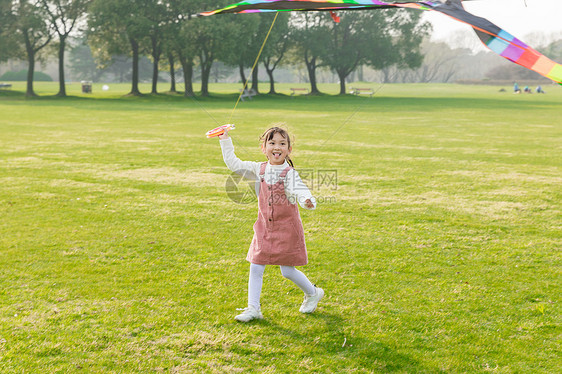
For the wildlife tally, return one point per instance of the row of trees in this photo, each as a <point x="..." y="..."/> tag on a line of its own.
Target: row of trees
<point x="26" y="27"/>
<point x="167" y="32"/>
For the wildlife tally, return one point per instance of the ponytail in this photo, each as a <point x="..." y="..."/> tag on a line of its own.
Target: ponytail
<point x="289" y="161"/>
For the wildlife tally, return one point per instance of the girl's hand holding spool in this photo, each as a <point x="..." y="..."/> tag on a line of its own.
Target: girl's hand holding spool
<point x="220" y="131"/>
<point x="224" y="135"/>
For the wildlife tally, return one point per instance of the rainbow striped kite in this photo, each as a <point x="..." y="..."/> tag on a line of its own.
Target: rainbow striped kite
<point x="495" y="38"/>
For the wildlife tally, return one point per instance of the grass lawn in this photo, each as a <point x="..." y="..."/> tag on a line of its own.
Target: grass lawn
<point x="437" y="238"/>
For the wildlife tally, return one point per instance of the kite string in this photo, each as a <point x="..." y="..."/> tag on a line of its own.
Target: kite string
<point x="253" y="67"/>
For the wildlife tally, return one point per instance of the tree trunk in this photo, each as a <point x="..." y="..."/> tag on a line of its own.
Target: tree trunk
<point x="154" y="89"/>
<point x="242" y="74"/>
<point x="62" y="84"/>
<point x="311" y="67"/>
<point x="205" y="73"/>
<point x="187" y="66"/>
<point x="255" y="79"/>
<point x="135" y="79"/>
<point x="172" y="73"/>
<point x="271" y="82"/>
<point x="387" y="75"/>
<point x="271" y="79"/>
<point x="30" y="71"/>
<point x="216" y="72"/>
<point x="30" y="66"/>
<point x="188" y="79"/>
<point x="342" y="76"/>
<point x="156" y="52"/>
<point x="206" y="60"/>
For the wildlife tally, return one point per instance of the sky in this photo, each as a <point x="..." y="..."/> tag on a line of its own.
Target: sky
<point x="518" y="17"/>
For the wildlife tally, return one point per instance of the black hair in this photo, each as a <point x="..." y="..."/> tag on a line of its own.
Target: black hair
<point x="268" y="135"/>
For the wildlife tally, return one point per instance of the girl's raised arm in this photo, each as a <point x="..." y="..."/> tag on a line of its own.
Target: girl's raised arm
<point x="248" y="169"/>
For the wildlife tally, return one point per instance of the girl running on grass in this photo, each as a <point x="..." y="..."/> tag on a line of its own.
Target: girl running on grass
<point x="278" y="232"/>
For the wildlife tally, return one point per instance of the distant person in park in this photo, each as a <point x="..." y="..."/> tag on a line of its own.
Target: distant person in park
<point x="516" y="88"/>
<point x="278" y="232"/>
<point x="540" y="90"/>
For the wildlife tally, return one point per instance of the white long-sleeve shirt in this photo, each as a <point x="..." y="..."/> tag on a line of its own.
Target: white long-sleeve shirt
<point x="295" y="189"/>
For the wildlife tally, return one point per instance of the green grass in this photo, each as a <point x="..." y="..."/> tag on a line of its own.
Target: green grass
<point x="439" y="250"/>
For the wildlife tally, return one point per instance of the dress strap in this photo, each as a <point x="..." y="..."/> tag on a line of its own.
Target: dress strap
<point x="262" y="169"/>
<point x="284" y="172"/>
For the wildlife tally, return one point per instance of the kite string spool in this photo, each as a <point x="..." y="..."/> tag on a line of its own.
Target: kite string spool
<point x="253" y="67"/>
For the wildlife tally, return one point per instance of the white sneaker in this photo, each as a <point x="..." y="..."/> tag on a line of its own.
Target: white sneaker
<point x="248" y="314"/>
<point x="311" y="301"/>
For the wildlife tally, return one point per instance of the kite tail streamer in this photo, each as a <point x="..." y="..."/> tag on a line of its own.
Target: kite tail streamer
<point x="503" y="43"/>
<point x="511" y="48"/>
<point x="253" y="67"/>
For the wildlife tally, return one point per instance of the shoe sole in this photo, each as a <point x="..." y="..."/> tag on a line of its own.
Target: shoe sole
<point x="316" y="306"/>
<point x="250" y="320"/>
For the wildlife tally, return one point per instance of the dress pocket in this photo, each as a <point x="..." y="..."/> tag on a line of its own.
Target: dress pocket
<point x="287" y="238"/>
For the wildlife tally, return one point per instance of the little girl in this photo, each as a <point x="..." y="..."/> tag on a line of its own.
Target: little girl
<point x="278" y="232"/>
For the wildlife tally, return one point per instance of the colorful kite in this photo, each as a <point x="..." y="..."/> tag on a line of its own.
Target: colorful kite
<point x="495" y="38"/>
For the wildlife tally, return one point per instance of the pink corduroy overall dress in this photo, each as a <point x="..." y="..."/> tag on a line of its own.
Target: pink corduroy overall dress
<point x="278" y="232"/>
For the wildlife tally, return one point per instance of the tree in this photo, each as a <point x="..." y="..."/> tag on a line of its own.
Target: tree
<point x="63" y="16"/>
<point x="170" y="64"/>
<point x="82" y="63"/>
<point x="512" y="72"/>
<point x="9" y="46"/>
<point x="169" y="35"/>
<point x="115" y="68"/>
<point x="179" y="41"/>
<point x="554" y="50"/>
<point x="266" y="38"/>
<point x="276" y="46"/>
<point x="399" y="43"/>
<point x="309" y="33"/>
<point x="241" y="50"/>
<point x="117" y="26"/>
<point x="208" y="46"/>
<point x="211" y="37"/>
<point x="186" y="53"/>
<point x="440" y="63"/>
<point x="379" y="38"/>
<point x="348" y="43"/>
<point x="158" y="21"/>
<point x="30" y="24"/>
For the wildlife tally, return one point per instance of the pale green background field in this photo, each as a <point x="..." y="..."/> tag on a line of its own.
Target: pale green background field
<point x="439" y="247"/>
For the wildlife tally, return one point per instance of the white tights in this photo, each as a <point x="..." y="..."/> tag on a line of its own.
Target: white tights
<point x="289" y="272"/>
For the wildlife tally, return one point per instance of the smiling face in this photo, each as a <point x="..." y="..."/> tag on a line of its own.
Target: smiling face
<point x="276" y="149"/>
